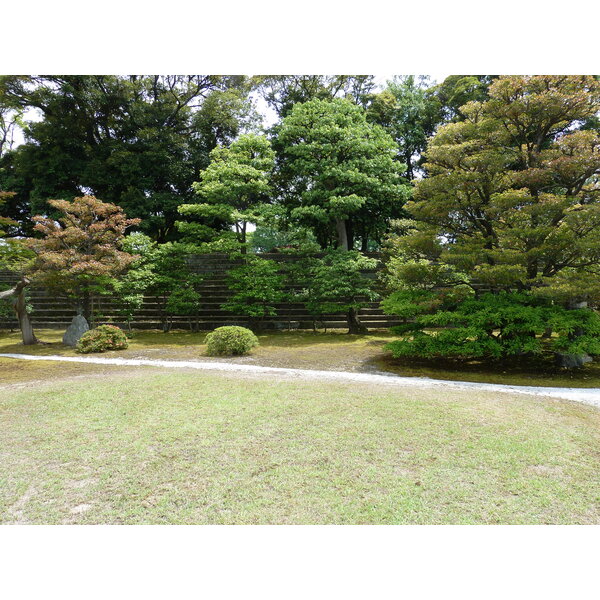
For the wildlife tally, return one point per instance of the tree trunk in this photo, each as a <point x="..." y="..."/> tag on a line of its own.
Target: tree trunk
<point x="342" y="234"/>
<point x="410" y="175"/>
<point x="242" y="236"/>
<point x="354" y="323"/>
<point x="17" y="297"/>
<point x="86" y="307"/>
<point x="349" y="234"/>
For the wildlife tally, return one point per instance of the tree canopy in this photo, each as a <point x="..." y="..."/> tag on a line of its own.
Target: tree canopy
<point x="347" y="183"/>
<point x="235" y="187"/>
<point x="410" y="113"/>
<point x="282" y="92"/>
<point x="137" y="141"/>
<point x="512" y="191"/>
<point x="79" y="253"/>
<point x="510" y="204"/>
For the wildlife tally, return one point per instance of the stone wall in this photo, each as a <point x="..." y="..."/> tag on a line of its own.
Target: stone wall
<point x="51" y="312"/>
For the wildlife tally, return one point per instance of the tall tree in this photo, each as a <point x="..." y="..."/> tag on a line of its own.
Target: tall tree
<point x="410" y="113"/>
<point x="235" y="186"/>
<point x="281" y="92"/>
<point x="138" y="141"/>
<point x="512" y="197"/>
<point x="514" y="187"/>
<point x="457" y="91"/>
<point x="345" y="177"/>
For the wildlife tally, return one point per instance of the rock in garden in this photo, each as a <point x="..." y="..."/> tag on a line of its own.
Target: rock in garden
<point x="75" y="330"/>
<point x="572" y="361"/>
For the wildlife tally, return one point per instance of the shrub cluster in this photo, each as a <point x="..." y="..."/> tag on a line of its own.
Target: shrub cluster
<point x="101" y="339"/>
<point x="492" y="326"/>
<point x="230" y="340"/>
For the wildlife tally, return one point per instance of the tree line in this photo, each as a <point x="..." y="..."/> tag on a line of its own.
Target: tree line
<point x="141" y="142"/>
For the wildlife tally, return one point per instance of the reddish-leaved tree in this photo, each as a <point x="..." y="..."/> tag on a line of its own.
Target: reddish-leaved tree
<point x="79" y="253"/>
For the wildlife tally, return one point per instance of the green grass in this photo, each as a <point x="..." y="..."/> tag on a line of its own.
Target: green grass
<point x="331" y="351"/>
<point x="151" y="446"/>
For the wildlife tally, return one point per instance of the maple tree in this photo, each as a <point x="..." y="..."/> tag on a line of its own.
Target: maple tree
<point x="79" y="254"/>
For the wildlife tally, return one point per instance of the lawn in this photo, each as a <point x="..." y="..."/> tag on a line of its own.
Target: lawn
<point x="149" y="446"/>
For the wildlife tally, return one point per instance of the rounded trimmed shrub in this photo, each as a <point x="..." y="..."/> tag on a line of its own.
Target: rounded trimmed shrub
<point x="101" y="339"/>
<point x="230" y="341"/>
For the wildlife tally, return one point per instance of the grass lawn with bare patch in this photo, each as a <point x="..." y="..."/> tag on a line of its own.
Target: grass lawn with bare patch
<point x="139" y="446"/>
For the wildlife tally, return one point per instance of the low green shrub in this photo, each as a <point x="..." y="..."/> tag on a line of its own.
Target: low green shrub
<point x="101" y="339"/>
<point x="492" y="326"/>
<point x="230" y="340"/>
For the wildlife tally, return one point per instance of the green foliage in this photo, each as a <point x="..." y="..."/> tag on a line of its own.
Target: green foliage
<point x="410" y="113"/>
<point x="5" y="221"/>
<point x="175" y="282"/>
<point x="333" y="284"/>
<point x="162" y="271"/>
<point x="15" y="255"/>
<point x="235" y="186"/>
<point x="257" y="286"/>
<point x="230" y="341"/>
<point x="135" y="141"/>
<point x="130" y="288"/>
<point x="493" y="326"/>
<point x="101" y="339"/>
<point x="511" y="203"/>
<point x="512" y="196"/>
<point x="339" y="283"/>
<point x="346" y="182"/>
<point x="456" y="91"/>
<point x="7" y="312"/>
<point x="183" y="301"/>
<point x="282" y="92"/>
<point x="269" y="239"/>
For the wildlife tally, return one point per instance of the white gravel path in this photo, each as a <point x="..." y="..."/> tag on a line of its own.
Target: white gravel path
<point x="586" y="395"/>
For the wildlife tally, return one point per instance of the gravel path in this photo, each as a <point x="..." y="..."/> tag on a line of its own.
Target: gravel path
<point x="586" y="395"/>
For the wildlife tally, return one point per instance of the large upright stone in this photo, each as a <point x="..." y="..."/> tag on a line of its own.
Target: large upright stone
<point x="75" y="330"/>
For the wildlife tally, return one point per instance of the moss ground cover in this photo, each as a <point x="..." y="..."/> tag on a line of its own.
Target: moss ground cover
<point x="307" y="350"/>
